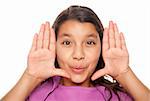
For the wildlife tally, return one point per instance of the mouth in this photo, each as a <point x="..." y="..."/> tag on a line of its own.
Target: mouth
<point x="78" y="70"/>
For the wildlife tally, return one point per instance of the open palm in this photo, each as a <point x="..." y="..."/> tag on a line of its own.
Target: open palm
<point x="42" y="55"/>
<point x="114" y="52"/>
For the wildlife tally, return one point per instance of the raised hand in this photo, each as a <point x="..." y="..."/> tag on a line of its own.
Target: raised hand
<point x="115" y="53"/>
<point x="42" y="55"/>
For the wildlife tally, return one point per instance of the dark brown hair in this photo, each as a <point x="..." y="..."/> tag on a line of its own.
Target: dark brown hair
<point x="85" y="14"/>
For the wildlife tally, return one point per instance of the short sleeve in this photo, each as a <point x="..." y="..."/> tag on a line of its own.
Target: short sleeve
<point x="41" y="91"/>
<point x="109" y="94"/>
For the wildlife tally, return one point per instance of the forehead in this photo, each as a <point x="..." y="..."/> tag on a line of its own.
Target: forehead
<point x="76" y="28"/>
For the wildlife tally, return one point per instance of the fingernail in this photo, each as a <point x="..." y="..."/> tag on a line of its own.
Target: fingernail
<point x="105" y="28"/>
<point x="92" y="78"/>
<point x="47" y="22"/>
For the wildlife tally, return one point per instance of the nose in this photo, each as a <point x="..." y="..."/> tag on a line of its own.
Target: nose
<point x="78" y="53"/>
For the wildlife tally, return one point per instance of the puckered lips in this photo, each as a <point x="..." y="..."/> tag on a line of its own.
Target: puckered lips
<point x="78" y="69"/>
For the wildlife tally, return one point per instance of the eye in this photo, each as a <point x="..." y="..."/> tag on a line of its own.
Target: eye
<point x="90" y="43"/>
<point x="66" y="43"/>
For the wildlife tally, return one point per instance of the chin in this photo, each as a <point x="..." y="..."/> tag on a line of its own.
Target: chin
<point x="78" y="78"/>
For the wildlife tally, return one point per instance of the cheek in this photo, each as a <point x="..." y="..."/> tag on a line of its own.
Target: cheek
<point x="93" y="54"/>
<point x="93" y="58"/>
<point x="62" y="56"/>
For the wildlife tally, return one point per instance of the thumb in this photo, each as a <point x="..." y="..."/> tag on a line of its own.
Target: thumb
<point x="98" y="74"/>
<point x="59" y="72"/>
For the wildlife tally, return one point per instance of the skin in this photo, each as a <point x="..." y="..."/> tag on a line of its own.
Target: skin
<point x="43" y="52"/>
<point x="80" y="45"/>
<point x="115" y="53"/>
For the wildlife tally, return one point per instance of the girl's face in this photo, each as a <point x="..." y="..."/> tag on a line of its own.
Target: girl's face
<point x="78" y="49"/>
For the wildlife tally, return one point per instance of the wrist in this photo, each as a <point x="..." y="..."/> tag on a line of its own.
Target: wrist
<point x="125" y="71"/>
<point x="29" y="82"/>
<point x="32" y="77"/>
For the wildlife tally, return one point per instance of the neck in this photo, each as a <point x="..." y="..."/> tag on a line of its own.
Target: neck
<point x="68" y="82"/>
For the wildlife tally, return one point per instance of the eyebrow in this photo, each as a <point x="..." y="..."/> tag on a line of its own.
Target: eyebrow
<point x="65" y="35"/>
<point x="92" y="35"/>
<point x="69" y="35"/>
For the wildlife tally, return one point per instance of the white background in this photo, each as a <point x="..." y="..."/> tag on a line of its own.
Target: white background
<point x="20" y="19"/>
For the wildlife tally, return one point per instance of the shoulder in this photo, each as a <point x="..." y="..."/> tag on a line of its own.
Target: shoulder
<point x="41" y="91"/>
<point x="124" y="96"/>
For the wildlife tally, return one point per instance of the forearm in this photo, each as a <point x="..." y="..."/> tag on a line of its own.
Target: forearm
<point x="134" y="86"/>
<point x="22" y="89"/>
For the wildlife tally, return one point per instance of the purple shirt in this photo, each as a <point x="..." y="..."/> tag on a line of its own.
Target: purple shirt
<point x="51" y="90"/>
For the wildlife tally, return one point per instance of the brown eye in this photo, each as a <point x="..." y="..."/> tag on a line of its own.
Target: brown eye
<point x="91" y="43"/>
<point x="66" y="43"/>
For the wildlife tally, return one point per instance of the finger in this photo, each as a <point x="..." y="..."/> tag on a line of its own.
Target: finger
<point x="98" y="74"/>
<point x="105" y="40"/>
<point x="40" y="37"/>
<point x="111" y="35"/>
<point x="52" y="44"/>
<point x="59" y="72"/>
<point x="123" y="43"/>
<point x="33" y="48"/>
<point x="117" y="36"/>
<point x="46" y="35"/>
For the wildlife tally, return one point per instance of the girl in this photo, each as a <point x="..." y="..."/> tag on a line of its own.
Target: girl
<point x="72" y="66"/>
